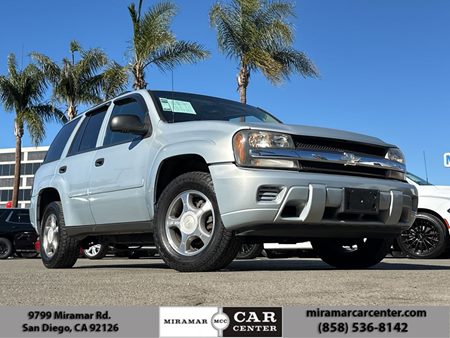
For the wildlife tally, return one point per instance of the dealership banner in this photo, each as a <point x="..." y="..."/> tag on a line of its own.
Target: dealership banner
<point x="224" y="322"/>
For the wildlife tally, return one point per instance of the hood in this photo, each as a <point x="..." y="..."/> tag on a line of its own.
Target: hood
<point x="441" y="191"/>
<point x="319" y="132"/>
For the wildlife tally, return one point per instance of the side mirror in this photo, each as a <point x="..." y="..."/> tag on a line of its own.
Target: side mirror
<point x="129" y="124"/>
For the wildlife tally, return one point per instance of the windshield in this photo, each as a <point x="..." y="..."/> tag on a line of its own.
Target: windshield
<point x="183" y="107"/>
<point x="417" y="179"/>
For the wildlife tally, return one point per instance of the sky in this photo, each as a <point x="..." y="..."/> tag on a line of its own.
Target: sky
<point x="385" y="65"/>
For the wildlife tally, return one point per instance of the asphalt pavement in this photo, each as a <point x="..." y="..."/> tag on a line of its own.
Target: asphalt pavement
<point x="289" y="282"/>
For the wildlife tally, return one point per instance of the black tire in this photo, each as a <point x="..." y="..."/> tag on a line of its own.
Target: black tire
<point x="222" y="247"/>
<point x="278" y="253"/>
<point x="427" y="238"/>
<point x="67" y="251"/>
<point x="99" y="253"/>
<point x="352" y="253"/>
<point x="6" y="248"/>
<point x="250" y="251"/>
<point x="27" y="255"/>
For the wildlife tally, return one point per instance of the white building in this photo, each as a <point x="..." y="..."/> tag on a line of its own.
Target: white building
<point x="32" y="157"/>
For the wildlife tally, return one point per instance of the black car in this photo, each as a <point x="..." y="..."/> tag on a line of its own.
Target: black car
<point x="16" y="234"/>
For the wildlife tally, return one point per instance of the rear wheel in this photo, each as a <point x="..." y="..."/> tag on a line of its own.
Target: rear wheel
<point x="96" y="251"/>
<point x="427" y="238"/>
<point x="58" y="249"/>
<point x="249" y="251"/>
<point x="27" y="254"/>
<point x="6" y="248"/>
<point x="352" y="253"/>
<point x="189" y="232"/>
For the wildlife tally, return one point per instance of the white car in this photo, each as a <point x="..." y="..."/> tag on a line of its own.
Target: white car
<point x="429" y="236"/>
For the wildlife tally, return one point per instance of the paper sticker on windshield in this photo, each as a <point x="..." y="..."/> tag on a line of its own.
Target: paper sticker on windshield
<point x="177" y="106"/>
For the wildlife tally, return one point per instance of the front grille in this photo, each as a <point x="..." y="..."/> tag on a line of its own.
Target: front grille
<point x="340" y="169"/>
<point x="333" y="145"/>
<point x="340" y="146"/>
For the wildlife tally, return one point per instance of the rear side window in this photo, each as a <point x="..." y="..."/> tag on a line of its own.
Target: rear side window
<point x="86" y="138"/>
<point x="128" y="106"/>
<point x="20" y="217"/>
<point x="58" y="144"/>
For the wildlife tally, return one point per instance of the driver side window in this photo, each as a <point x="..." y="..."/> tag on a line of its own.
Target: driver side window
<point x="127" y="106"/>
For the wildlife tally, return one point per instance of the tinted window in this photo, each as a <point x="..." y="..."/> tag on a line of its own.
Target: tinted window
<point x="58" y="144"/>
<point x="183" y="107"/>
<point x="86" y="137"/>
<point x="20" y="217"/>
<point x="128" y="106"/>
<point x="417" y="179"/>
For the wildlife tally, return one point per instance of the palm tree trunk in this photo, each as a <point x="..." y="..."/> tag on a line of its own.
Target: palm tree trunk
<point x="139" y="77"/>
<point x="243" y="79"/>
<point x="71" y="112"/>
<point x="18" y="131"/>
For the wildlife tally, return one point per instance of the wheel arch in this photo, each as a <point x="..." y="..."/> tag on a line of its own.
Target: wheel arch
<point x="434" y="213"/>
<point x="174" y="166"/>
<point x="46" y="196"/>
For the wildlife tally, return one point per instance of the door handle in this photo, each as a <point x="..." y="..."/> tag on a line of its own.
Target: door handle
<point x="62" y="169"/>
<point x="99" y="162"/>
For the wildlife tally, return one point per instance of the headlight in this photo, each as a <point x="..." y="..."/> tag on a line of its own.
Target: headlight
<point x="264" y="139"/>
<point x="246" y="140"/>
<point x="395" y="154"/>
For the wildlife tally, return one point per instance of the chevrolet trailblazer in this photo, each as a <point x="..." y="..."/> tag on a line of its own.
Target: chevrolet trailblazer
<point x="198" y="174"/>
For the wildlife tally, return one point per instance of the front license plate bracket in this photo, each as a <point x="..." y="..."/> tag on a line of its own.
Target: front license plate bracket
<point x="361" y="201"/>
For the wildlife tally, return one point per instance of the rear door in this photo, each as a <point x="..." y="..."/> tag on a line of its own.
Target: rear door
<point x="77" y="166"/>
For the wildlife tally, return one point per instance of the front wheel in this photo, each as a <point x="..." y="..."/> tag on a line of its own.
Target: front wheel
<point x="427" y="238"/>
<point x="352" y="253"/>
<point x="58" y="250"/>
<point x="189" y="233"/>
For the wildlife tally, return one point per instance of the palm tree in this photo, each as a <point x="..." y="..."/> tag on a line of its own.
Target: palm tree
<point x="22" y="92"/>
<point x="75" y="81"/>
<point x="258" y="35"/>
<point x="154" y="44"/>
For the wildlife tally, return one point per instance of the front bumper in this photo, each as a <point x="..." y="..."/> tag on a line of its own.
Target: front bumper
<point x="308" y="204"/>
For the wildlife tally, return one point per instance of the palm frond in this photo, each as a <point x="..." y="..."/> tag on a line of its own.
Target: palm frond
<point x="114" y="80"/>
<point x="9" y="94"/>
<point x="229" y="31"/>
<point x="154" y="29"/>
<point x="49" y="113"/>
<point x="35" y="125"/>
<point x="177" y="53"/>
<point x="293" y="61"/>
<point x="12" y="67"/>
<point x="49" y="68"/>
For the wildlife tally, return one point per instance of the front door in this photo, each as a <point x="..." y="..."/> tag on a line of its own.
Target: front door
<point x="116" y="189"/>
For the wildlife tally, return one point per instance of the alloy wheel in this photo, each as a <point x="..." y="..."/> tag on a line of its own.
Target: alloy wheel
<point x="50" y="239"/>
<point x="422" y="238"/>
<point x="190" y="223"/>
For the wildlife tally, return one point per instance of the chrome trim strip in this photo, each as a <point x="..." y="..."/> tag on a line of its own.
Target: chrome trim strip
<point x="344" y="158"/>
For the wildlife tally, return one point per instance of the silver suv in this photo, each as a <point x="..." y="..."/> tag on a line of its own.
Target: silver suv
<point x="200" y="175"/>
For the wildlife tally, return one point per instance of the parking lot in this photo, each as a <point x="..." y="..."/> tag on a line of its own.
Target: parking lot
<point x="293" y="281"/>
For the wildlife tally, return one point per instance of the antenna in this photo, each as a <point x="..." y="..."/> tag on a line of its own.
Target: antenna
<point x="425" y="163"/>
<point x="173" y="104"/>
<point x="21" y="63"/>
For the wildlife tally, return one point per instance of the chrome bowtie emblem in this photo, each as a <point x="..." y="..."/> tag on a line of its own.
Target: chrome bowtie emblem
<point x="351" y="159"/>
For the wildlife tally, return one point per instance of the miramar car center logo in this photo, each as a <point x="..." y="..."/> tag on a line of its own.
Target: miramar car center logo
<point x="220" y="322"/>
